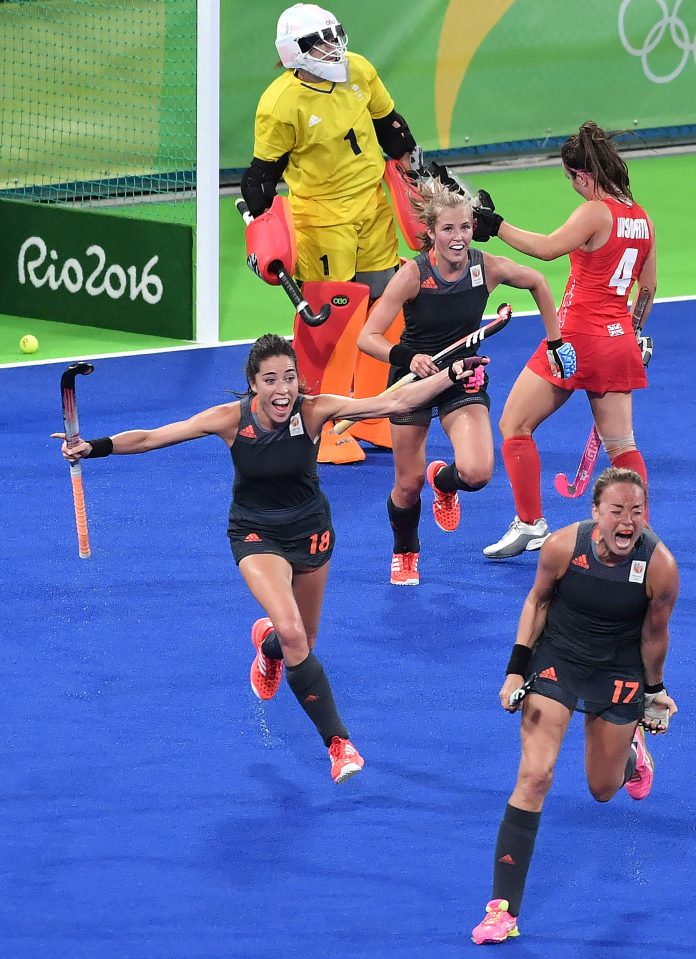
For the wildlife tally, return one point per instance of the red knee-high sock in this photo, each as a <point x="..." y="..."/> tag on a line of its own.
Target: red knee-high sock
<point x="523" y="466"/>
<point x="632" y="460"/>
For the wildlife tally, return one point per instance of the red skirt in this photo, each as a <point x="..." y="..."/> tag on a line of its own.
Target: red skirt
<point x="605" y="364"/>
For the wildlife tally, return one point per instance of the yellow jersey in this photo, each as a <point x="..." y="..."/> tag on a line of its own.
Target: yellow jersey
<point x="335" y="161"/>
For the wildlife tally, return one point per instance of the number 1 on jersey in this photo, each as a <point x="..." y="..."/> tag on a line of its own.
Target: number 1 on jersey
<point x="353" y="140"/>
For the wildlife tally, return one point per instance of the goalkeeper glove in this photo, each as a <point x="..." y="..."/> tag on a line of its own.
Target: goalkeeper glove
<point x="487" y="220"/>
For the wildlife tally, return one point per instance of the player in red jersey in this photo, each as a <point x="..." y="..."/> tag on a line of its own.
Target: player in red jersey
<point x="611" y="243"/>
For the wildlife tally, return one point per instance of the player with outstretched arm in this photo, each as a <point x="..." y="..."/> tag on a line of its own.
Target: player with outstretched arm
<point x="280" y="525"/>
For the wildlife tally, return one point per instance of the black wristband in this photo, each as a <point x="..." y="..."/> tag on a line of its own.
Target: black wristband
<point x="519" y="660"/>
<point x="104" y="446"/>
<point x="553" y="344"/>
<point x="656" y="688"/>
<point x="401" y="356"/>
<point x="452" y="375"/>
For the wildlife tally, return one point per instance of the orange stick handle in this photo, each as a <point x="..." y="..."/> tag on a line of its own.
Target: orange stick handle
<point x="80" y="511"/>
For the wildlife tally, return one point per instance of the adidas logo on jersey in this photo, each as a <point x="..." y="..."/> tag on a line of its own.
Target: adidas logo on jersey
<point x="581" y="561"/>
<point x="314" y="120"/>
<point x="252" y="538"/>
<point x="428" y="284"/>
<point x="549" y="673"/>
<point x="248" y="431"/>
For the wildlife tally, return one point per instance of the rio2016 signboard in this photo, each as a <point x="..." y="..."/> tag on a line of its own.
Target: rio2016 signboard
<point x="93" y="269"/>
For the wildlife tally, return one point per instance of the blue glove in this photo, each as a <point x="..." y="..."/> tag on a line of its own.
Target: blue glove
<point x="561" y="357"/>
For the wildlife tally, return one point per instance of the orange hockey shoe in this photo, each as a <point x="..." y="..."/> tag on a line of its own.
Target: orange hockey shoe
<point x="266" y="673"/>
<point x="404" y="569"/>
<point x="446" y="508"/>
<point x="346" y="761"/>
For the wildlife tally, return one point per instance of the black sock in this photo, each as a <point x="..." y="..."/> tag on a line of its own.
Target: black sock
<point x="271" y="646"/>
<point x="310" y="685"/>
<point x="448" y="480"/>
<point x="404" y="522"/>
<point x="513" y="853"/>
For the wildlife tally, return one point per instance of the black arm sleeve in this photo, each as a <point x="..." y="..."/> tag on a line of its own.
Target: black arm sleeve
<point x="259" y="183"/>
<point x="394" y="140"/>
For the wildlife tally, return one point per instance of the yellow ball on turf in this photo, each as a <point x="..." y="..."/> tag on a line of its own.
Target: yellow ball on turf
<point x="28" y="344"/>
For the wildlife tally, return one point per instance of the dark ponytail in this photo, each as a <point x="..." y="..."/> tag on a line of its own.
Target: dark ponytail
<point x="593" y="150"/>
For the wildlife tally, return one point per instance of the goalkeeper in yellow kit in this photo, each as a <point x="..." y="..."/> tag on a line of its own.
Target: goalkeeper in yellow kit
<point x="323" y="126"/>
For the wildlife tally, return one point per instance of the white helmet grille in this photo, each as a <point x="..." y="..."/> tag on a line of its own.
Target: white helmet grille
<point x="312" y="39"/>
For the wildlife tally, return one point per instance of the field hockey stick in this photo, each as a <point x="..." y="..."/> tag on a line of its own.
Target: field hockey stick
<point x="72" y="438"/>
<point x="442" y="358"/>
<point x="519" y="694"/>
<point x="594" y="443"/>
<point x="584" y="471"/>
<point x="286" y="281"/>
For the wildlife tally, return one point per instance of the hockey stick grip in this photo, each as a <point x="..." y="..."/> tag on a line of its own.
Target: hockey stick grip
<point x="521" y="693"/>
<point x="243" y="211"/>
<point x="80" y="511"/>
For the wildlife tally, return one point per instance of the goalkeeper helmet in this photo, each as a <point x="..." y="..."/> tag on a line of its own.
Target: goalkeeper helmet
<point x="310" y="38"/>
